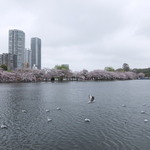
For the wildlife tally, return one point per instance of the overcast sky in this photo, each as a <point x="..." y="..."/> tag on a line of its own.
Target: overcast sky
<point x="86" y="34"/>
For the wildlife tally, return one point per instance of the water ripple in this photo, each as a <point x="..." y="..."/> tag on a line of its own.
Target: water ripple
<point x="111" y="127"/>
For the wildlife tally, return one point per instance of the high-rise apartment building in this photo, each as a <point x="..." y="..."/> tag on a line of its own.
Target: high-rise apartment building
<point x="36" y="52"/>
<point x="17" y="45"/>
<point x="27" y="58"/>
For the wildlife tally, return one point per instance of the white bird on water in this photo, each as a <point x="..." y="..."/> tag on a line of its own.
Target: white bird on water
<point x="123" y="105"/>
<point x="49" y="120"/>
<point x="144" y="104"/>
<point x="87" y="120"/>
<point x="142" y="112"/>
<point x="58" y="108"/>
<point x="91" y="98"/>
<point x="145" y="120"/>
<point x="3" y="126"/>
<point x="24" y="111"/>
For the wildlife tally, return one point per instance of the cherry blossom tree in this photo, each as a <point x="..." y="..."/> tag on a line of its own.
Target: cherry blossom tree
<point x="141" y="75"/>
<point x="28" y="75"/>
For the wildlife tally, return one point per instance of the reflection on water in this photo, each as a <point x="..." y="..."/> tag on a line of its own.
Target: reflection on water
<point x="23" y="108"/>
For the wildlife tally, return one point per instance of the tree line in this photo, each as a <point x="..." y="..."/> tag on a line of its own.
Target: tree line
<point x="64" y="73"/>
<point x="125" y="68"/>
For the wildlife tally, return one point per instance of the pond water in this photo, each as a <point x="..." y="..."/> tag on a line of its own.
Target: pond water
<point x="24" y="110"/>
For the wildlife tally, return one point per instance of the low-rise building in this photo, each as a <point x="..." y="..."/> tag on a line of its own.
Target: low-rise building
<point x="10" y="60"/>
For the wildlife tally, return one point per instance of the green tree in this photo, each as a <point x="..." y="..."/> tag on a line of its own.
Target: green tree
<point x="62" y="67"/>
<point x="146" y="71"/>
<point x="125" y="67"/>
<point x="119" y="70"/>
<point x="109" y="69"/>
<point x="4" y="67"/>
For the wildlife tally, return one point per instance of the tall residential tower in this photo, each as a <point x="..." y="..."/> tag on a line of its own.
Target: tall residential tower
<point x="36" y="52"/>
<point x="17" y="45"/>
<point x="27" y="58"/>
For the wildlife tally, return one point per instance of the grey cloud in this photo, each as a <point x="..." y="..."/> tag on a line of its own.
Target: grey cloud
<point x="84" y="34"/>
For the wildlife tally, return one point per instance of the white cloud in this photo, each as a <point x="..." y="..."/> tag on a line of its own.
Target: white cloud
<point x="88" y="34"/>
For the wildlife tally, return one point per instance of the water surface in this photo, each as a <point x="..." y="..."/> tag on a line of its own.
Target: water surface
<point x="112" y="127"/>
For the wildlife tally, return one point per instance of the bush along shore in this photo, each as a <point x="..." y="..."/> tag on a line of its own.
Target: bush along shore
<point x="28" y="75"/>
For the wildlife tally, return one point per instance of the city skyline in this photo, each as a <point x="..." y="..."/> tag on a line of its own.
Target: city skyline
<point x="19" y="57"/>
<point x="97" y="33"/>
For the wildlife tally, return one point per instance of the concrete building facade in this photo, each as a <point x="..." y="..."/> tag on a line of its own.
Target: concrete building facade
<point x="36" y="52"/>
<point x="17" y="46"/>
<point x="9" y="60"/>
<point x="27" y="58"/>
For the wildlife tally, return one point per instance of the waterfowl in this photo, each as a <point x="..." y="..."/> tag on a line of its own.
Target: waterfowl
<point x="91" y="98"/>
<point x="87" y="120"/>
<point x="142" y="112"/>
<point x="24" y="111"/>
<point x="48" y="119"/>
<point x="123" y="105"/>
<point x="145" y="120"/>
<point x="58" y="108"/>
<point x="3" y="126"/>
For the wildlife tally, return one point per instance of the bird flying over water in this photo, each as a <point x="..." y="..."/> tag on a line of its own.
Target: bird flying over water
<point x="91" y="98"/>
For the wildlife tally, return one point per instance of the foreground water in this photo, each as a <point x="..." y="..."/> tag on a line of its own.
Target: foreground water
<point x="112" y="127"/>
